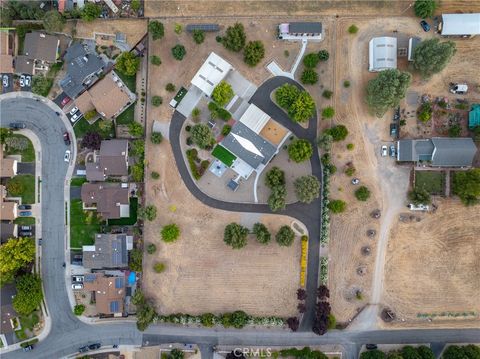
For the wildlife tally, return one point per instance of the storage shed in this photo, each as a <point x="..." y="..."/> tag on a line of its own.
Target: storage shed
<point x="382" y="53"/>
<point x="460" y="24"/>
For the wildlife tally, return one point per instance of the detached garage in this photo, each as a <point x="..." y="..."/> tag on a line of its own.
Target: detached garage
<point x="460" y="25"/>
<point x="382" y="54"/>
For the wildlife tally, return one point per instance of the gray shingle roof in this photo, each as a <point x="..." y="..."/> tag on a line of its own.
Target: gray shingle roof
<point x="305" y="27"/>
<point x="453" y="152"/>
<point x="41" y="46"/>
<point x="254" y="160"/>
<point x="110" y="252"/>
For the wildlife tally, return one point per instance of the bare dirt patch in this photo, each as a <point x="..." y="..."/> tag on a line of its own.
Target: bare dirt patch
<point x="433" y="266"/>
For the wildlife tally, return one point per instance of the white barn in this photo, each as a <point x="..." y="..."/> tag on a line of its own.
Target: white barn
<point x="460" y="24"/>
<point x="212" y="72"/>
<point x="382" y="54"/>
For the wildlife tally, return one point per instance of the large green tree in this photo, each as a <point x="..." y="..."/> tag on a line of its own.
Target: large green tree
<point x="419" y="196"/>
<point x="15" y="254"/>
<point x="470" y="351"/>
<point x="127" y="63"/>
<point x="424" y="8"/>
<point x="386" y="90"/>
<point x="285" y="236"/>
<point x="53" y="21"/>
<point x="170" y="233"/>
<point x="275" y="177"/>
<point x="432" y="56"/>
<point x="261" y="233"/>
<point x="90" y="12"/>
<point x="286" y="95"/>
<point x="337" y="133"/>
<point x="29" y="294"/>
<point x="276" y="200"/>
<point x="222" y="93"/>
<point x="466" y="185"/>
<point x="202" y="136"/>
<point x="303" y="108"/>
<point x="300" y="150"/>
<point x="235" y="235"/>
<point x="253" y="53"/>
<point x="156" y="29"/>
<point x="307" y="188"/>
<point x="235" y="37"/>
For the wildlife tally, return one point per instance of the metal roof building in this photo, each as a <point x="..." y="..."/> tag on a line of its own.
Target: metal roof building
<point x="382" y="53"/>
<point x="440" y="151"/>
<point x="300" y="30"/>
<point x="460" y="24"/>
<point x="474" y="116"/>
<point x="212" y="72"/>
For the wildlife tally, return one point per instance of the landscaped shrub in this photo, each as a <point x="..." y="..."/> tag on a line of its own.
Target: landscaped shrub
<point x="159" y="267"/>
<point x="193" y="159"/>
<point x="323" y="55"/>
<point x="151" y="248"/>
<point x="337" y="206"/>
<point x="196" y="113"/>
<point x="156" y="138"/>
<point x="425" y="112"/>
<point x="223" y="114"/>
<point x="78" y="309"/>
<point x="455" y="130"/>
<point x="156" y="29"/>
<point x="352" y="29"/>
<point x="328" y="112"/>
<point x="234" y="38"/>
<point x="226" y="130"/>
<point x="346" y="84"/>
<point x="261" y="233"/>
<point x="310" y="60"/>
<point x="362" y="194"/>
<point x="179" y="52"/>
<point x="135" y="260"/>
<point x="309" y="77"/>
<point x="127" y="63"/>
<point x="198" y="36"/>
<point x="170" y="233"/>
<point x="178" y="29"/>
<point x="327" y="94"/>
<point x="157" y="101"/>
<point x="307" y="188"/>
<point x="285" y="236"/>
<point x="155" y="175"/>
<point x="202" y="136"/>
<point x="275" y="180"/>
<point x="149" y="212"/>
<point x="170" y="87"/>
<point x="235" y="235"/>
<point x="350" y="170"/>
<point x="350" y="146"/>
<point x="424" y="8"/>
<point x="419" y="196"/>
<point x="253" y="53"/>
<point x="300" y="150"/>
<point x="155" y="60"/>
<point x="90" y="114"/>
<point x="222" y="93"/>
<point x="338" y="133"/>
<point x="275" y="177"/>
<point x="135" y="129"/>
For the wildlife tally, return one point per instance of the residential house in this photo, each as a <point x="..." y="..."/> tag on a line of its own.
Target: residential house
<point x="8" y="315"/>
<point x="110" y="200"/>
<point x="7" y="230"/>
<point x="8" y="210"/>
<point x="108" y="96"/>
<point x="300" y="31"/>
<point x="8" y="166"/>
<point x="438" y="151"/>
<point x="212" y="72"/>
<point x="465" y="25"/>
<point x="69" y="5"/>
<point x="413" y="42"/>
<point x="6" y="58"/>
<point x="108" y="292"/>
<point x="109" y="251"/>
<point x="382" y="53"/>
<point x="40" y="50"/>
<point x="110" y="161"/>
<point x="83" y="68"/>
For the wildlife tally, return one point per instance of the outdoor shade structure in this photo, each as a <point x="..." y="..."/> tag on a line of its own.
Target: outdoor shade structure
<point x="460" y="24"/>
<point x="440" y="151"/>
<point x="212" y="72"/>
<point x="474" y="116"/>
<point x="382" y="53"/>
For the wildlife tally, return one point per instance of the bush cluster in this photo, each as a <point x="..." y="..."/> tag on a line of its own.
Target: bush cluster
<point x="275" y="180"/>
<point x="299" y="104"/>
<point x="197" y="166"/>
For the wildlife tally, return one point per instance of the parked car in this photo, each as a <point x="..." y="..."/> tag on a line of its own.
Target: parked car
<point x="22" y="81"/>
<point x="17" y="125"/>
<point x="65" y="100"/>
<point x="355" y="181"/>
<point x="25" y="206"/>
<point x="73" y="110"/>
<point x="392" y="151"/>
<point x="28" y="80"/>
<point x="77" y="286"/>
<point x="25" y="228"/>
<point x="5" y="81"/>
<point x="393" y="130"/>
<point x="459" y="89"/>
<point x="25" y="214"/>
<point x="25" y="233"/>
<point x="371" y="346"/>
<point x="66" y="158"/>
<point x="39" y="241"/>
<point x="94" y="346"/>
<point x="384" y="151"/>
<point x="75" y="117"/>
<point x="77" y="278"/>
<point x="66" y="138"/>
<point x="425" y="26"/>
<point x="28" y="348"/>
<point x="83" y="349"/>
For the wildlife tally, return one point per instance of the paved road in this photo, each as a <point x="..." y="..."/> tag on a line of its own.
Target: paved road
<point x="309" y="214"/>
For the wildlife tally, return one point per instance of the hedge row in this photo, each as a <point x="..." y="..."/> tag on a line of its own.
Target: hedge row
<point x="324" y="270"/>
<point x="325" y="227"/>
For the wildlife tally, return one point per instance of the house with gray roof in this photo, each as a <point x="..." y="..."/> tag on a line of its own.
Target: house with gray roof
<point x="439" y="151"/>
<point x="110" y="161"/>
<point x="40" y="51"/>
<point x="300" y="30"/>
<point x="83" y="68"/>
<point x="109" y="251"/>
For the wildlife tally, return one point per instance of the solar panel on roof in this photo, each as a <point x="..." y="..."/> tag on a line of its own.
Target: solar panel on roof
<point x="89" y="277"/>
<point x="203" y="27"/>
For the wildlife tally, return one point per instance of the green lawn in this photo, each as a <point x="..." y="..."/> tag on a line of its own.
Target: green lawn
<point x="130" y="81"/>
<point x="26" y="184"/>
<point x="83" y="225"/>
<point x="25" y="221"/>
<point x="28" y="154"/>
<point x="81" y="127"/>
<point x="223" y="155"/>
<point x="78" y="181"/>
<point x="127" y="116"/>
<point x="432" y="181"/>
<point x="130" y="221"/>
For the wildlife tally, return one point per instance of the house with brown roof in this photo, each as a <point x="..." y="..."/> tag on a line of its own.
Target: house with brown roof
<point x="8" y="210"/>
<point x="8" y="166"/>
<point x="110" y="161"/>
<point x="109" y="251"/>
<point x="110" y="200"/>
<point x="108" y="96"/>
<point x="6" y="58"/>
<point x="108" y="292"/>
<point x="40" y="50"/>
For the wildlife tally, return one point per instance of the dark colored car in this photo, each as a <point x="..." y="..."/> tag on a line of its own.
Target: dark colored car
<point x="94" y="346"/>
<point x="393" y="130"/>
<point x="28" y="348"/>
<point x="25" y="214"/>
<point x="392" y="151"/>
<point x="371" y="346"/>
<point x="83" y="349"/>
<point x="66" y="138"/>
<point x="25" y="206"/>
<point x="17" y="125"/>
<point x="425" y="26"/>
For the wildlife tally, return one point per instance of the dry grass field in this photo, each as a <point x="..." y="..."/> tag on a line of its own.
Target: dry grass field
<point x="433" y="266"/>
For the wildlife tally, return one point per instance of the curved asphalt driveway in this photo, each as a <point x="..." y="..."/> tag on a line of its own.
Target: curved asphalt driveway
<point x="309" y="214"/>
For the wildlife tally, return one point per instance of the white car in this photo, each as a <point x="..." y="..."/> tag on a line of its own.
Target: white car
<point x="67" y="156"/>
<point x="22" y="81"/>
<point x="384" y="151"/>
<point x="75" y="117"/>
<point x="355" y="181"/>
<point x="28" y="80"/>
<point x="77" y="286"/>
<point x="73" y="110"/>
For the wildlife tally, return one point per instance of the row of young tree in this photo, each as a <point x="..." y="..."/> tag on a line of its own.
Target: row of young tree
<point x="236" y="235"/>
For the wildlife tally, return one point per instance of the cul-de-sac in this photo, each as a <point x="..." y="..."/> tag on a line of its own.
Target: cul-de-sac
<point x="221" y="179"/>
